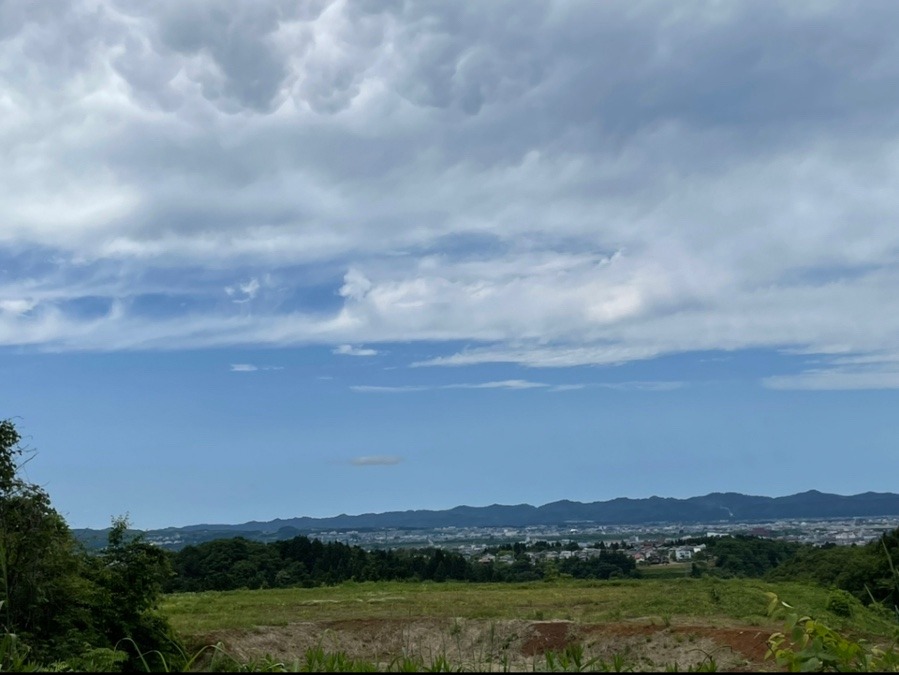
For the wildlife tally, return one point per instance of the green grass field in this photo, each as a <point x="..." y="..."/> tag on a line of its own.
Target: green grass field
<point x="646" y="624"/>
<point x="719" y="601"/>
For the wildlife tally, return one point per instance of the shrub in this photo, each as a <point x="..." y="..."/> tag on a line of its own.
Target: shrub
<point x="840" y="603"/>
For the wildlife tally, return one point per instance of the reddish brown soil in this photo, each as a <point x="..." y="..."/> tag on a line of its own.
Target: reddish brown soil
<point x="548" y="636"/>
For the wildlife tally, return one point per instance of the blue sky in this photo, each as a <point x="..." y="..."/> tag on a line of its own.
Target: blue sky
<point x="269" y="259"/>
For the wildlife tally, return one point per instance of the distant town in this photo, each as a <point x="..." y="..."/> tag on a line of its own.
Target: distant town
<point x="654" y="543"/>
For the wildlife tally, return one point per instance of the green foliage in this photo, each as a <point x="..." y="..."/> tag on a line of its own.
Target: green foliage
<point x="742" y="556"/>
<point x="68" y="607"/>
<point x="45" y="599"/>
<point x="320" y="661"/>
<point x="867" y="572"/>
<point x="840" y="603"/>
<point x="571" y="659"/>
<point x="607" y="565"/>
<point x="14" y="655"/>
<point x="98" y="660"/>
<point x="230" y="564"/>
<point x="807" y="645"/>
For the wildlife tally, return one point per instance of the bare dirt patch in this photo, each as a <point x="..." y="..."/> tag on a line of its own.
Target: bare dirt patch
<point x="515" y="645"/>
<point x="731" y="648"/>
<point x="548" y="636"/>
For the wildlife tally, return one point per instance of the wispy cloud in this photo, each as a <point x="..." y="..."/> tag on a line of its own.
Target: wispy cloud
<point x="567" y="387"/>
<point x="244" y="292"/>
<point x="251" y="368"/>
<point x="882" y="375"/>
<point x="374" y="389"/>
<point x="499" y="384"/>
<point x="648" y="386"/>
<point x="643" y="385"/>
<point x="349" y="350"/>
<point x="17" y="306"/>
<point x="376" y="460"/>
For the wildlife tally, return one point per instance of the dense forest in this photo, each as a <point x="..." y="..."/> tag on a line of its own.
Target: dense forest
<point x="741" y="556"/>
<point x="228" y="564"/>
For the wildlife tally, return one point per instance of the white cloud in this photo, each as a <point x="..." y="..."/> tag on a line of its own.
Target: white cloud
<point x="244" y="292"/>
<point x="835" y="379"/>
<point x="349" y="350"/>
<point x="872" y="371"/>
<point x="374" y="389"/>
<point x="251" y="368"/>
<point x="17" y="305"/>
<point x="501" y="384"/>
<point x="355" y="285"/>
<point x="523" y="384"/>
<point x="643" y="386"/>
<point x="376" y="460"/>
<point x="730" y="184"/>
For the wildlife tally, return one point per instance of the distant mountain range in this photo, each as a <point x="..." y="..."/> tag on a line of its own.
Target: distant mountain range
<point x="727" y="506"/>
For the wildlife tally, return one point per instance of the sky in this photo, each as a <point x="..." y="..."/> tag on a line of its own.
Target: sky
<point x="274" y="259"/>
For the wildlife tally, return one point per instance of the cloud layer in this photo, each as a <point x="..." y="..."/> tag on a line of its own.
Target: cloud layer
<point x="554" y="185"/>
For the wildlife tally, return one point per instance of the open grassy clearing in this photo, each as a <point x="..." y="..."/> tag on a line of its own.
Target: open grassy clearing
<point x="645" y="624"/>
<point x="675" y="600"/>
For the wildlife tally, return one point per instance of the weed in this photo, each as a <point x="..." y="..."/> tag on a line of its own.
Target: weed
<point x="809" y="645"/>
<point x="404" y="664"/>
<point x="320" y="661"/>
<point x="619" y="663"/>
<point x="455" y="627"/>
<point x="441" y="665"/>
<point x="14" y="655"/>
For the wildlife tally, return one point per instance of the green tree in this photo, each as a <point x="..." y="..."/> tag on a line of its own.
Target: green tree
<point x="44" y="597"/>
<point x="129" y="575"/>
<point x="64" y="604"/>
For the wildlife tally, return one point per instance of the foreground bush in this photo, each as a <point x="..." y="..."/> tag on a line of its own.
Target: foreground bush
<point x="808" y="645"/>
<point x="57" y="603"/>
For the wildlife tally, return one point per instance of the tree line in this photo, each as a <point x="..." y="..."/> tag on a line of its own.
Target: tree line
<point x="228" y="564"/>
<point x="741" y="555"/>
<point x="869" y="573"/>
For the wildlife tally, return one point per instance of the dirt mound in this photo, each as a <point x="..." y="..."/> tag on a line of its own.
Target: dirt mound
<point x="548" y="636"/>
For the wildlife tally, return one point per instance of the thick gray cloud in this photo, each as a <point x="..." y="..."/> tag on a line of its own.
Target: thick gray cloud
<point x="557" y="184"/>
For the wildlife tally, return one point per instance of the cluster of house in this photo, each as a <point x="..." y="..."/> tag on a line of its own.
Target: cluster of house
<point x="657" y="555"/>
<point x="537" y="556"/>
<point x="646" y="554"/>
